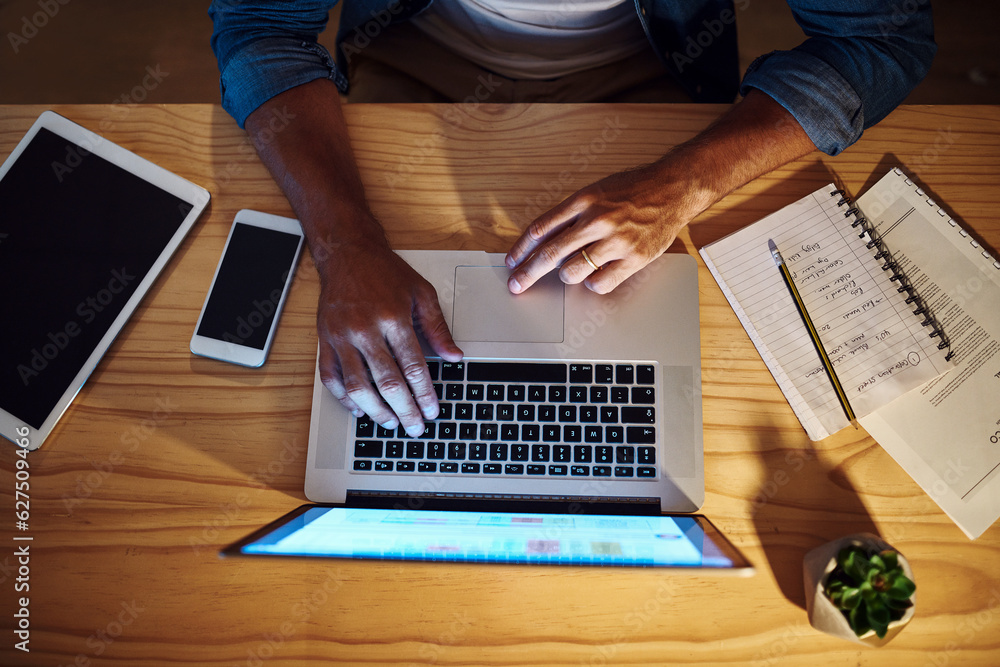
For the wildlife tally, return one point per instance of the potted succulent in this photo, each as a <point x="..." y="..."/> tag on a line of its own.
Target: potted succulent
<point x="859" y="588"/>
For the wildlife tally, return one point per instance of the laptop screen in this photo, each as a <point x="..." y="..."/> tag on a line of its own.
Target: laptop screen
<point x="523" y="538"/>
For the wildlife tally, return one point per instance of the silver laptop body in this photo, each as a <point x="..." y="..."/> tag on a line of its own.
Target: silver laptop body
<point x="650" y="320"/>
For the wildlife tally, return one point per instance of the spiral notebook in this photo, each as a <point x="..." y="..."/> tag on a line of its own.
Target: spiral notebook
<point x="907" y="306"/>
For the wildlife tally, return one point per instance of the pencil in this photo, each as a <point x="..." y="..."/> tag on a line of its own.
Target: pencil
<point x="813" y="334"/>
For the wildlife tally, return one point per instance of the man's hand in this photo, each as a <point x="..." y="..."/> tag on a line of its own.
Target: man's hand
<point x="626" y="220"/>
<point x="370" y="301"/>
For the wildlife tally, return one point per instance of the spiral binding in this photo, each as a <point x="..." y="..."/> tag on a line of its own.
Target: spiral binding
<point x="912" y="298"/>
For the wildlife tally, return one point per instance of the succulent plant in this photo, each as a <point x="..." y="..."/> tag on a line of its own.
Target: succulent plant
<point x="870" y="588"/>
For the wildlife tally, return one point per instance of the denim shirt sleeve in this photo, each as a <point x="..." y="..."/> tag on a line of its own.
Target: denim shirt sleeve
<point x="267" y="47"/>
<point x="856" y="66"/>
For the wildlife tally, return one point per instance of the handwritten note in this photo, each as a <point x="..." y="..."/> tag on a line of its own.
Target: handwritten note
<point x="877" y="345"/>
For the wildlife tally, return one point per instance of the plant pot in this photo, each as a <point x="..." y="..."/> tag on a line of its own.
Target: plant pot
<point x="823" y="615"/>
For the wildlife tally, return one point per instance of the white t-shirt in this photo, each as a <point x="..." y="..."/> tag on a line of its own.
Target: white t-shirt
<point x="542" y="39"/>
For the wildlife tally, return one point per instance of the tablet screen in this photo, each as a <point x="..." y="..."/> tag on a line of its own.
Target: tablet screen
<point x="498" y="537"/>
<point x="77" y="236"/>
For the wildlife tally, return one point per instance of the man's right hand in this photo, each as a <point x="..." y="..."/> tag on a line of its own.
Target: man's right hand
<point x="369" y="356"/>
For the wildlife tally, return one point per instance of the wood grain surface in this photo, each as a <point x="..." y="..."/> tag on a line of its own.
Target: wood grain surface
<point x="165" y="457"/>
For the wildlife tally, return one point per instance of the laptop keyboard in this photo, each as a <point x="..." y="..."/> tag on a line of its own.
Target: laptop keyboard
<point x="526" y="419"/>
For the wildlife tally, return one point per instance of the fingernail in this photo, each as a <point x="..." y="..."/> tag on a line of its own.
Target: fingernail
<point x="429" y="413"/>
<point x="390" y="425"/>
<point x="358" y="412"/>
<point x="513" y="285"/>
<point x="415" y="431"/>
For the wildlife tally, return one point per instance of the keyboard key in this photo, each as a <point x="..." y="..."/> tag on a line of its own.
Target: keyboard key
<point x="433" y="368"/>
<point x="485" y="371"/>
<point x="449" y="467"/>
<point x="498" y="452"/>
<point x="557" y="394"/>
<point x="603" y="454"/>
<point x="456" y="451"/>
<point x="583" y="373"/>
<point x="514" y="469"/>
<point x="495" y="393"/>
<point x="405" y="466"/>
<point x="598" y="394"/>
<point x="609" y="415"/>
<point x="439" y="390"/>
<point x="468" y="431"/>
<point x="646" y="455"/>
<point x="425" y="466"/>
<point x="551" y="433"/>
<point x="435" y="450"/>
<point x="383" y="466"/>
<point x="447" y="430"/>
<point x="505" y="412"/>
<point x="624" y="374"/>
<point x="578" y="394"/>
<point x="478" y="451"/>
<point x="530" y="432"/>
<point x="452" y="370"/>
<point x="470" y="468"/>
<point x="561" y="453"/>
<point x="645" y="471"/>
<point x="362" y="465"/>
<point x="614" y="434"/>
<point x="394" y="449"/>
<point x="624" y="471"/>
<point x="588" y="414"/>
<point x="558" y="470"/>
<point x="624" y="455"/>
<point x="637" y="415"/>
<point x="509" y="432"/>
<point x="484" y="412"/>
<point x="579" y="471"/>
<point x="382" y="432"/>
<point x="365" y="428"/>
<point x="643" y="395"/>
<point x="605" y="374"/>
<point x="430" y="428"/>
<point x="583" y="454"/>
<point x="463" y="411"/>
<point x="454" y="392"/>
<point x="414" y="450"/>
<point x="488" y="432"/>
<point x="593" y="434"/>
<point x="567" y="413"/>
<point x="444" y="410"/>
<point x="602" y="471"/>
<point x="536" y="393"/>
<point x="492" y="468"/>
<point x="515" y="393"/>
<point x="519" y="452"/>
<point x="572" y="433"/>
<point x="619" y="394"/>
<point x="368" y="449"/>
<point x="526" y="413"/>
<point x="641" y="435"/>
<point x="535" y="469"/>
<point x="475" y="392"/>
<point x="546" y="413"/>
<point x="540" y="453"/>
<point x="645" y="374"/>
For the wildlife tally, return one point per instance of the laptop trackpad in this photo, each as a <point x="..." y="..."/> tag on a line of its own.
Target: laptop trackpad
<point x="486" y="311"/>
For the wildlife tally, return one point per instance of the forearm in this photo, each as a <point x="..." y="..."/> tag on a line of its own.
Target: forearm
<point x="754" y="137"/>
<point x="309" y="155"/>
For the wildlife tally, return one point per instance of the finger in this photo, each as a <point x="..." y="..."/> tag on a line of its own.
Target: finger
<point x="611" y="275"/>
<point x="552" y="254"/>
<point x="358" y="384"/>
<point x="413" y="366"/>
<point x="576" y="269"/>
<point x="433" y="326"/>
<point x="542" y="228"/>
<point x="393" y="387"/>
<point x="329" y="375"/>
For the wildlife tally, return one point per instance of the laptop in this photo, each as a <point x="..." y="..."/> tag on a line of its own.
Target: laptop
<point x="563" y="394"/>
<point x="570" y="434"/>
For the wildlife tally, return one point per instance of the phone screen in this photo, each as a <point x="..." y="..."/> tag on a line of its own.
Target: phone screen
<point x="247" y="290"/>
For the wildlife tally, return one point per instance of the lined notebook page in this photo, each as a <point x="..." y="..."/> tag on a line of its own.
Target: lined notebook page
<point x="876" y="344"/>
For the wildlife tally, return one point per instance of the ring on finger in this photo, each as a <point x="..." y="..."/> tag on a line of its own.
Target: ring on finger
<point x="583" y="252"/>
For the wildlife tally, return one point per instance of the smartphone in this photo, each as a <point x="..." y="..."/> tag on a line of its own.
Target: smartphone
<point x="240" y="315"/>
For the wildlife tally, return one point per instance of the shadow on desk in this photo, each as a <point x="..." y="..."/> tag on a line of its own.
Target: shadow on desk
<point x="803" y="502"/>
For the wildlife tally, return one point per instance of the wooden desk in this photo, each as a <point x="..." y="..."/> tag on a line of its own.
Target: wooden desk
<point x="165" y="457"/>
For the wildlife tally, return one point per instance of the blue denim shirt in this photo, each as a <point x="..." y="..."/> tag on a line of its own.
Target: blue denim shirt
<point x="859" y="61"/>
